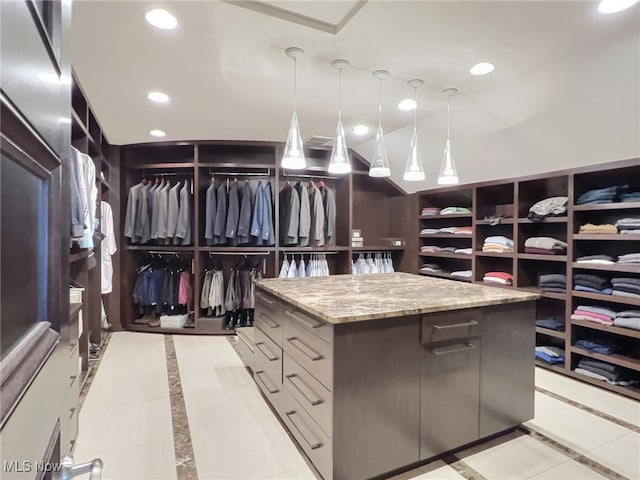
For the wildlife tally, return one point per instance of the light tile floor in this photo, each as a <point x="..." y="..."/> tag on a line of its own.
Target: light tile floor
<point x="126" y="420"/>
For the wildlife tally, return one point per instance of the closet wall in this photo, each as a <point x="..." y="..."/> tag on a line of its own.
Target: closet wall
<point x="362" y="203"/>
<point x="519" y="195"/>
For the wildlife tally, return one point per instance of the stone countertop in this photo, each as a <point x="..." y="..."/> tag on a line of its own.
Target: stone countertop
<point x="354" y="298"/>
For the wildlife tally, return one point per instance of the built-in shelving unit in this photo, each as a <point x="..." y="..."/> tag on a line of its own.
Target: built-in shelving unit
<point x="518" y="195"/>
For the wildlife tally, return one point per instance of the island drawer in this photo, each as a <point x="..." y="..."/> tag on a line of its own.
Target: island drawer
<point x="267" y="356"/>
<point x="309" y="393"/>
<point x="442" y="326"/>
<point x="269" y="317"/>
<point x="310" y="351"/>
<point x="270" y="389"/>
<point x="312" y="325"/>
<point x="309" y="435"/>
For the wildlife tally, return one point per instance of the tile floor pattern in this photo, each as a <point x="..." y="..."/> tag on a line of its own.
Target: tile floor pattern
<point x="579" y="432"/>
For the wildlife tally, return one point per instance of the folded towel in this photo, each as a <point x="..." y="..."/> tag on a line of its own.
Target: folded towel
<point x="602" y="310"/>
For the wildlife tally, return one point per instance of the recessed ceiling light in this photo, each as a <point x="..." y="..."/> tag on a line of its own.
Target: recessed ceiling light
<point x="162" y="19"/>
<point x="615" y="6"/>
<point x="407" y="105"/>
<point x="360" y="130"/>
<point x="482" y="68"/>
<point x="157" y="133"/>
<point x="158" y="97"/>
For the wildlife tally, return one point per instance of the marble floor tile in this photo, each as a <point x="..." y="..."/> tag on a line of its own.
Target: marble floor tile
<point x="571" y="426"/>
<point x="247" y="450"/>
<point x="570" y="470"/>
<point x="437" y="470"/>
<point x="622" y="455"/>
<point x="210" y="375"/>
<point x="221" y="355"/>
<point x="225" y="405"/>
<point x="113" y="428"/>
<point x="149" y="461"/>
<point x="518" y="458"/>
<point x="605" y="401"/>
<point x="300" y="473"/>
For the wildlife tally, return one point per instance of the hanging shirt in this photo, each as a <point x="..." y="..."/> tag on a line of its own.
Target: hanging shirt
<point x="289" y="216"/>
<point x="185" y="292"/>
<point x="301" y="269"/>
<point x="163" y="211"/>
<point x="219" y="237"/>
<point x="210" y="214"/>
<point x="244" y="221"/>
<point x="183" y="227"/>
<point x="233" y="214"/>
<point x="329" y="204"/>
<point x="305" y="214"/>
<point x="174" y="208"/>
<point x="90" y="191"/>
<point x="108" y="247"/>
<point x="258" y="213"/>
<point x="267" y="229"/>
<point x="284" y="270"/>
<point x="316" y="234"/>
<point x="155" y="212"/>
<point x="78" y="202"/>
<point x="293" y="270"/>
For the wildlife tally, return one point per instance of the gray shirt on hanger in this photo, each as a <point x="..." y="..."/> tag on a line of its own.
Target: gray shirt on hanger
<point x="304" y="227"/>
<point x="329" y="202"/>
<point x="210" y="214"/>
<point x="163" y="211"/>
<point x="220" y="224"/>
<point x="316" y="235"/>
<point x="233" y="214"/>
<point x="244" y="221"/>
<point x="174" y="207"/>
<point x="132" y="208"/>
<point x="183" y="227"/>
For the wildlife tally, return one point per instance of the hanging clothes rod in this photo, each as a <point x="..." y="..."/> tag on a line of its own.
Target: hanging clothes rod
<point x="239" y="174"/>
<point x="171" y="174"/>
<point x="160" y="252"/>
<point x="321" y="177"/>
<point x="310" y="252"/>
<point x="239" y="254"/>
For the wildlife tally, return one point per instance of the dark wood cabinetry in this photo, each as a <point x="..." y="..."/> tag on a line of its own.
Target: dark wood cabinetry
<point x="371" y="205"/>
<point x="517" y="196"/>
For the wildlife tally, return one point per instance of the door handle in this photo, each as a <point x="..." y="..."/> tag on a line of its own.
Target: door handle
<point x="304" y="389"/>
<point x="313" y="443"/>
<point x="470" y="323"/>
<point x="447" y="351"/>
<point x="269" y="389"/>
<point x="305" y="349"/>
<point x="302" y="321"/>
<point x="69" y="470"/>
<point x="272" y="357"/>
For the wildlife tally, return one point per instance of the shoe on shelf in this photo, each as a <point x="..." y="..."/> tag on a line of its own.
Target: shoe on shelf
<point x="154" y="323"/>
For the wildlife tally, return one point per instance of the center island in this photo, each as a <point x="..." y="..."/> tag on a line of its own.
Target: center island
<point x="375" y="374"/>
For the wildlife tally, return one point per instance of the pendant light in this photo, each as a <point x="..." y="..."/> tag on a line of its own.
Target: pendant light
<point x="293" y="156"/>
<point x="448" y="174"/>
<point x="339" y="161"/>
<point x="414" y="170"/>
<point x="380" y="163"/>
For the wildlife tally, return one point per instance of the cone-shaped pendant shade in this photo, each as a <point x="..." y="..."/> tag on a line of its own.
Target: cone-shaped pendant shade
<point x="448" y="173"/>
<point x="293" y="156"/>
<point x="339" y="161"/>
<point x="414" y="170"/>
<point x="380" y="163"/>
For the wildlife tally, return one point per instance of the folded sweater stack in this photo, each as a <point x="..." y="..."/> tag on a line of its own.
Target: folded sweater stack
<point x="630" y="226"/>
<point x="497" y="244"/>
<point x="430" y="211"/>
<point x="584" y="282"/>
<point x="628" y="319"/>
<point x="500" y="278"/>
<point x="454" y="210"/>
<point x="545" y="246"/>
<point x="630" y="197"/>
<point x="549" y="207"/>
<point x="590" y="228"/>
<point x="597" y="259"/>
<point x="606" y="372"/>
<point x="552" y="323"/>
<point x="549" y="354"/>
<point x="602" y="346"/>
<point x="626" y="287"/>
<point x="553" y="282"/>
<point x="602" y="195"/>
<point x="590" y="313"/>
<point x="629" y="258"/>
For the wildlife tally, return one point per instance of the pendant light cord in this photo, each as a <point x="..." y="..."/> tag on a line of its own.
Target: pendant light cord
<point x="380" y="106"/>
<point x="415" y="110"/>
<point x="295" y="84"/>
<point x="448" y="117"/>
<point x="340" y="96"/>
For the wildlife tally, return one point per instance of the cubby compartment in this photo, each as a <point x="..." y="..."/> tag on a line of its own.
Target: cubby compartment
<point x="552" y="230"/>
<point x="529" y="272"/>
<point x="237" y="155"/>
<point x="624" y="174"/>
<point x="161" y="156"/>
<point x="495" y="201"/>
<point x="446" y="198"/>
<point x="531" y="192"/>
<point x="484" y="231"/>
<point x="447" y="266"/>
<point x="492" y="264"/>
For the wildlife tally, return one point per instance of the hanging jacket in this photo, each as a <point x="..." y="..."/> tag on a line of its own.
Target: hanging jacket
<point x="244" y="221"/>
<point x="219" y="237"/>
<point x="210" y="214"/>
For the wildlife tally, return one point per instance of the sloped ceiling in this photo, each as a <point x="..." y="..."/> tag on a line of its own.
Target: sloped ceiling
<point x="565" y="92"/>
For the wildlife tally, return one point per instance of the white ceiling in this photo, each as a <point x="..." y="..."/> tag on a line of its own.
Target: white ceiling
<point x="565" y="92"/>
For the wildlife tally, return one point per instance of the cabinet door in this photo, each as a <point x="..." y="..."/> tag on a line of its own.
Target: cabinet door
<point x="449" y="399"/>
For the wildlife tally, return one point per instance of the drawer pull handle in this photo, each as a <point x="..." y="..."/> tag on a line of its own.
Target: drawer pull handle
<point x="304" y="389"/>
<point x="72" y="410"/>
<point x="305" y="349"/>
<point x="470" y="323"/>
<point x="447" y="351"/>
<point x="313" y="444"/>
<point x="72" y="346"/>
<point x="264" y="298"/>
<point x="268" y="321"/>
<point x="73" y="379"/>
<point x="272" y="357"/>
<point x="266" y="385"/>
<point x="303" y="321"/>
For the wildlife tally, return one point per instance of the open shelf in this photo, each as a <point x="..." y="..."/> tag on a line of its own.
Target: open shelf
<point x="550" y="333"/>
<point x="446" y="275"/>
<point x="616" y="267"/>
<point x="546" y="220"/>
<point x="607" y="206"/>
<point x="606" y="236"/>
<point x="493" y="254"/>
<point x="328" y="248"/>
<point x="504" y="221"/>
<point x="377" y="248"/>
<point x="163" y="248"/>
<point x="446" y="235"/>
<point x="559" y="368"/>
<point x="627" y="332"/>
<point x="614" y="358"/>
<point x="632" y="392"/>
<point x="460" y="256"/>
<point x="223" y="249"/>
<point x="536" y="290"/>
<point x="441" y="217"/>
<point x="607" y="298"/>
<point x="546" y="258"/>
